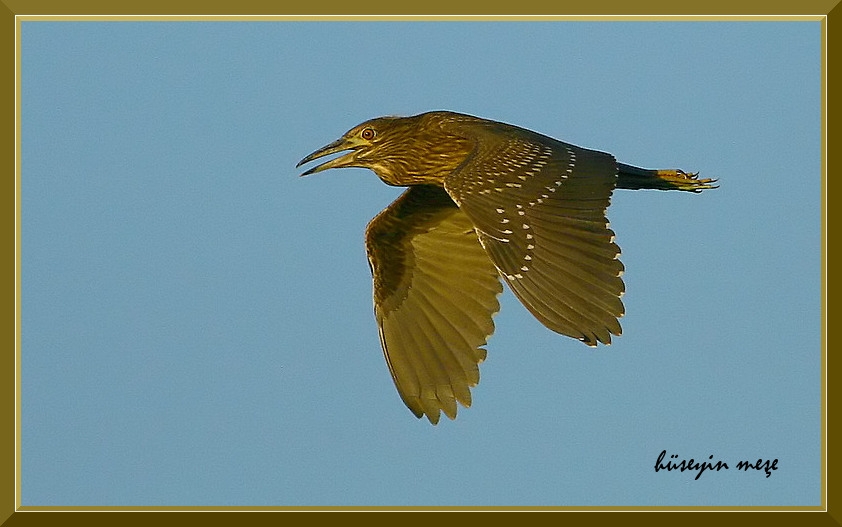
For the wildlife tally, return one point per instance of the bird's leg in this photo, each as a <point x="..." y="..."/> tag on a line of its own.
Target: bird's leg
<point x="634" y="178"/>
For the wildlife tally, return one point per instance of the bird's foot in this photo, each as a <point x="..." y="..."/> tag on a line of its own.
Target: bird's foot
<point x="680" y="180"/>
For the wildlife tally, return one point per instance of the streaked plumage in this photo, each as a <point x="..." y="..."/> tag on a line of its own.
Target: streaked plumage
<point x="486" y="200"/>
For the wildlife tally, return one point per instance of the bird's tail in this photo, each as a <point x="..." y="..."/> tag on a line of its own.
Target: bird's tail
<point x="634" y="178"/>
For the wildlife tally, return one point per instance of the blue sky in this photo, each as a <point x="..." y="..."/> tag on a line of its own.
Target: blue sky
<point x="196" y="320"/>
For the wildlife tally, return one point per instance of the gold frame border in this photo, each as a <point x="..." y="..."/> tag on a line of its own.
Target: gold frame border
<point x="12" y="513"/>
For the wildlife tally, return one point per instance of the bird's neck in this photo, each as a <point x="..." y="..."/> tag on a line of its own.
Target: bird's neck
<point x="427" y="162"/>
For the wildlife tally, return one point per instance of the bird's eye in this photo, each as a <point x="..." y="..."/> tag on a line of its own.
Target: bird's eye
<point x="367" y="134"/>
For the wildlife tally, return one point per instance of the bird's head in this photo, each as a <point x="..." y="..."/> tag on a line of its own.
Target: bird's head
<point x="400" y="150"/>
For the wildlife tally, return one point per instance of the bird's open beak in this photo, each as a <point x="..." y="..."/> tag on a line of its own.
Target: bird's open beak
<point x="341" y="144"/>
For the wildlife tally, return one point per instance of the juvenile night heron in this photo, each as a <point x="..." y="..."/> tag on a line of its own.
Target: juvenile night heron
<point x="485" y="200"/>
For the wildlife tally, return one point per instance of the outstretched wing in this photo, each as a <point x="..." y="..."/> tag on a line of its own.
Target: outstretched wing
<point x="435" y="292"/>
<point x="539" y="209"/>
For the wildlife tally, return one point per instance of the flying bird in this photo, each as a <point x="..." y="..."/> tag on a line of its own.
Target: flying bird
<point x="487" y="202"/>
